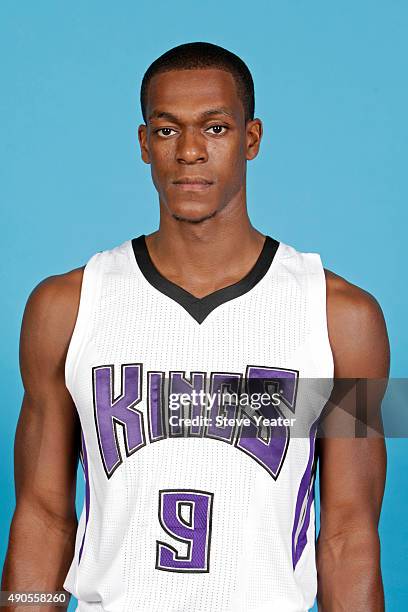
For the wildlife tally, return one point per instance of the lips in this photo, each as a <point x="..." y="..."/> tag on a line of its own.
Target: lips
<point x="196" y="183"/>
<point x="192" y="180"/>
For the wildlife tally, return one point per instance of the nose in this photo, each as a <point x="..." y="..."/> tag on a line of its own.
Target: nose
<point x="191" y="147"/>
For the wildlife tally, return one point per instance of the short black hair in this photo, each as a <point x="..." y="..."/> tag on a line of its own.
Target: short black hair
<point x="200" y="55"/>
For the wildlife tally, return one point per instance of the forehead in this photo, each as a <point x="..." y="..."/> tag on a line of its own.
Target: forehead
<point x="191" y="92"/>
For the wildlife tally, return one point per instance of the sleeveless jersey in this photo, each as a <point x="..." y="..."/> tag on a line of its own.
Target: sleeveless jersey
<point x="194" y="502"/>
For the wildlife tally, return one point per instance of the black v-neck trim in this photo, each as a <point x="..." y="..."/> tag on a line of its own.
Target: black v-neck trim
<point x="200" y="308"/>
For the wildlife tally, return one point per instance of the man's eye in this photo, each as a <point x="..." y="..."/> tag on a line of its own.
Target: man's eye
<point x="217" y="128"/>
<point x="165" y="131"/>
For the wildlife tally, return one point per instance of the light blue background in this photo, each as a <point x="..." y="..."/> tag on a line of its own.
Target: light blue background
<point x="331" y="88"/>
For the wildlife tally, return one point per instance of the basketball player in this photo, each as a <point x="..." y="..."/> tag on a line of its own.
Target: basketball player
<point x="183" y="513"/>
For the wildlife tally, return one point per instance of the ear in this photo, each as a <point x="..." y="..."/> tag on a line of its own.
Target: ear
<point x="144" y="149"/>
<point x="254" y="131"/>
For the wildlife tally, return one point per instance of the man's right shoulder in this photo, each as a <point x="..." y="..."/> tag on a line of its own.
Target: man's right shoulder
<point x="60" y="290"/>
<point x="51" y="311"/>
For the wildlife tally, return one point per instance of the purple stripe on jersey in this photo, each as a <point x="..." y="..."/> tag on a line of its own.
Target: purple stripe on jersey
<point x="302" y="538"/>
<point x="304" y="490"/>
<point x="85" y="465"/>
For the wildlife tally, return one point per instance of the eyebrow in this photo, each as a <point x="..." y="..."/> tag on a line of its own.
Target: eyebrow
<point x="206" y="113"/>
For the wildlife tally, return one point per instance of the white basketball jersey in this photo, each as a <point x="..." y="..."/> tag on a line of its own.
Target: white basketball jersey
<point x="194" y="503"/>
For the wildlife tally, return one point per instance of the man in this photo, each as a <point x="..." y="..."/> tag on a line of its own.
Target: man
<point x="184" y="513"/>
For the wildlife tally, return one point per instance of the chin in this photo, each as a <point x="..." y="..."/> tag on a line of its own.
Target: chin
<point x="192" y="212"/>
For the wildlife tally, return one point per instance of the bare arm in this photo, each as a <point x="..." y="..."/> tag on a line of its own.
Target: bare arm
<point x="43" y="528"/>
<point x="352" y="469"/>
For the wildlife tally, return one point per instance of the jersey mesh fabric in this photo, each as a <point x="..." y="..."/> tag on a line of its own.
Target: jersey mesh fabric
<point x="123" y="319"/>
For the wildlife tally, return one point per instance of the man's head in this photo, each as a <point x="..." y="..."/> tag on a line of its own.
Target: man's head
<point x="198" y="106"/>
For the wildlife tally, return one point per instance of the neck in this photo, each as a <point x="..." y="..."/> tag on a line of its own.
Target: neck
<point x="206" y="256"/>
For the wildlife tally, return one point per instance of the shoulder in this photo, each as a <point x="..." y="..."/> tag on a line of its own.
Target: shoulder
<point x="357" y="329"/>
<point x="53" y="304"/>
<point x="350" y="303"/>
<point x="57" y="294"/>
<point x="57" y="286"/>
<point x="49" y="318"/>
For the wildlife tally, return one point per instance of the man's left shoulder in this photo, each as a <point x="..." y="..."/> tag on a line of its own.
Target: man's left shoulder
<point x="356" y="323"/>
<point x="350" y="301"/>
